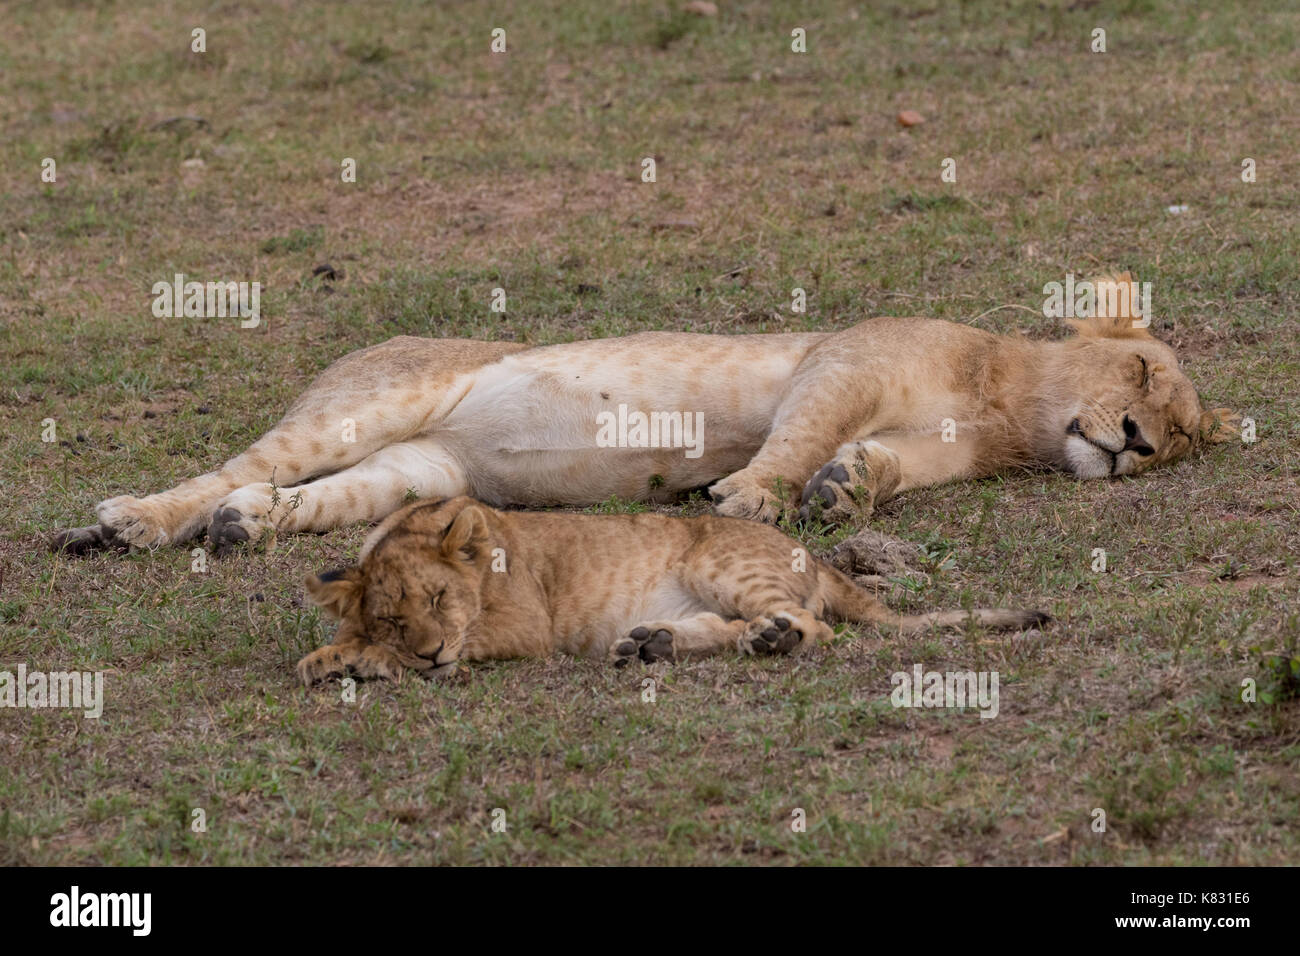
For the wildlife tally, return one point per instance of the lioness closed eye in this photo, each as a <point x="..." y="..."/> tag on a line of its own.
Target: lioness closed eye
<point x="444" y="581"/>
<point x="841" y="421"/>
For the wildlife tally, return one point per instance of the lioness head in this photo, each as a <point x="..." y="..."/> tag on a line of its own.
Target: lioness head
<point x="417" y="587"/>
<point x="1120" y="403"/>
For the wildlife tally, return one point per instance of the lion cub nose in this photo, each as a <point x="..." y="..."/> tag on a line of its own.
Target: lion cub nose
<point x="1133" y="440"/>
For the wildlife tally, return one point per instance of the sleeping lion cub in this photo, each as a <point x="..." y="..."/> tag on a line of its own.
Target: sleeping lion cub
<point x="444" y="581"/>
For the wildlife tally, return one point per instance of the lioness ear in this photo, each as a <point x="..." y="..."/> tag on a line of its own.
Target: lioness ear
<point x="1113" y="313"/>
<point x="1219" y="425"/>
<point x="466" y="535"/>
<point x="335" y="592"/>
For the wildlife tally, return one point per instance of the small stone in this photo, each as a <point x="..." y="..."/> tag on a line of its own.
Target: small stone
<point x="910" y="118"/>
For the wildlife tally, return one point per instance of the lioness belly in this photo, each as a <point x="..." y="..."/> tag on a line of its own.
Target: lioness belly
<point x="640" y="418"/>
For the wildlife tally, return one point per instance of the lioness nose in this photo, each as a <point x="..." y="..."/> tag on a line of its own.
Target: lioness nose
<point x="1133" y="440"/>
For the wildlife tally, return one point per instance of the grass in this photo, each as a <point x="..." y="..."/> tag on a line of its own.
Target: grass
<point x="522" y="171"/>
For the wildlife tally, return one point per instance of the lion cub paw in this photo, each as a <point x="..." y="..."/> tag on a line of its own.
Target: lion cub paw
<point x="648" y="644"/>
<point x="339" y="661"/>
<point x="766" y="635"/>
<point x="783" y="633"/>
<point x="846" y="489"/>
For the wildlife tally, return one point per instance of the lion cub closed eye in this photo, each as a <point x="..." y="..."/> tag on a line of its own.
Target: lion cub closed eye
<point x="443" y="581"/>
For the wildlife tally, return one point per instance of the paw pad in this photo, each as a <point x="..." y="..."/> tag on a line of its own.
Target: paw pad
<point x="643" y="643"/>
<point x="779" y="638"/>
<point x="225" y="531"/>
<point x="821" y="489"/>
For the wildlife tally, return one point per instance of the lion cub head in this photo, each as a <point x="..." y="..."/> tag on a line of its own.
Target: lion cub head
<point x="416" y="590"/>
<point x="1120" y="402"/>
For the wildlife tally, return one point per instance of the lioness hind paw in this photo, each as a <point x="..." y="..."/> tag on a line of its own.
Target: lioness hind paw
<point x="132" y="522"/>
<point x="88" y="540"/>
<point x="231" y="527"/>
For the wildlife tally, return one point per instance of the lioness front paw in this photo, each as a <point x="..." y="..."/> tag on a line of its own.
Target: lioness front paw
<point x="738" y="497"/>
<point x="131" y="521"/>
<point x="846" y="489"/>
<point x="650" y="644"/>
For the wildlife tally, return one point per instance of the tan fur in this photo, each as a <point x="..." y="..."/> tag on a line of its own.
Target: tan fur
<point x="849" y="418"/>
<point x="442" y="582"/>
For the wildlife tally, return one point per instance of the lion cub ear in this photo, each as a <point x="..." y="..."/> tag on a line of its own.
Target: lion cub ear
<point x="466" y="535"/>
<point x="1219" y="425"/>
<point x="1116" y="323"/>
<point x="335" y="592"/>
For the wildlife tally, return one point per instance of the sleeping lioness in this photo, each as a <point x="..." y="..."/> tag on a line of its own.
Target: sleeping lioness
<point x="826" y="423"/>
<point x="444" y="581"/>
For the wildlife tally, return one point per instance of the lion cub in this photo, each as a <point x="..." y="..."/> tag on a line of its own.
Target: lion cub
<point x="444" y="581"/>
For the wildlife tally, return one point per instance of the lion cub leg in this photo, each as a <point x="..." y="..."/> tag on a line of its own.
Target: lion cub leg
<point x="696" y="636"/>
<point x="770" y="599"/>
<point x="849" y="486"/>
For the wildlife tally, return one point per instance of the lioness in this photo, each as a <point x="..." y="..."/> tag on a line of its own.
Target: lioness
<point x="444" y="581"/>
<point x="850" y="417"/>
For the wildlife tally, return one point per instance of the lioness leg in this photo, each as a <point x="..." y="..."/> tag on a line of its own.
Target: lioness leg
<point x="360" y="404"/>
<point x="316" y="436"/>
<point x="368" y="491"/>
<point x="288" y="453"/>
<point x="825" y="407"/>
<point x="865" y="473"/>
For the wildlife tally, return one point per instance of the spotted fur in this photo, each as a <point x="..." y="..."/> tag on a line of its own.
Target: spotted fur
<point x="442" y="582"/>
<point x="518" y="426"/>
